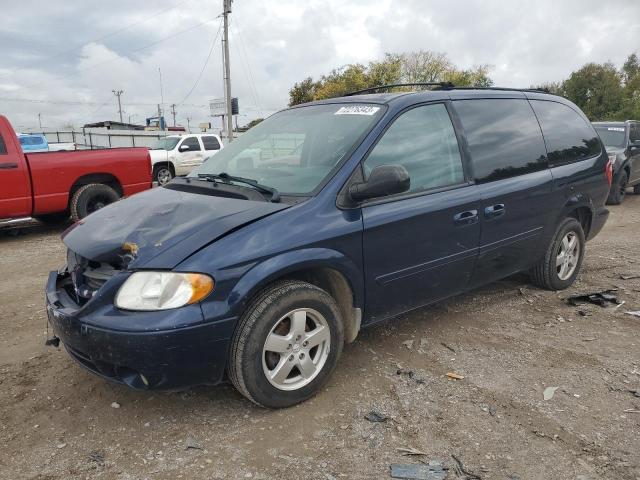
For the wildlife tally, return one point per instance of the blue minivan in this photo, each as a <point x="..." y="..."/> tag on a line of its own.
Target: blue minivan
<point x="326" y="218"/>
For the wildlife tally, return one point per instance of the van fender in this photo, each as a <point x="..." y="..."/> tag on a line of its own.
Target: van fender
<point x="289" y="263"/>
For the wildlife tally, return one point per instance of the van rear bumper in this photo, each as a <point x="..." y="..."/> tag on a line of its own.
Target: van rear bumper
<point x="597" y="222"/>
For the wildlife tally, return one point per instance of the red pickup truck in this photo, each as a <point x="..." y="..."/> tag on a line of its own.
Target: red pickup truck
<point x="51" y="185"/>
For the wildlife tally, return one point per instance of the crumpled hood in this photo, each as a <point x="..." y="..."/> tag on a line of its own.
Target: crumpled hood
<point x="160" y="227"/>
<point x="158" y="156"/>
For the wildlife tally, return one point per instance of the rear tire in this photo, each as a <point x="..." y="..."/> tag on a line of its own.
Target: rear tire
<point x="556" y="271"/>
<point x="636" y="189"/>
<point x="286" y="344"/>
<point x="618" y="189"/>
<point x="90" y="198"/>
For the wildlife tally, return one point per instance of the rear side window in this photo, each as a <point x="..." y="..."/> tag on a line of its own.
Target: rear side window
<point x="210" y="143"/>
<point x="634" y="132"/>
<point x="568" y="136"/>
<point x="424" y="142"/>
<point x="3" y="147"/>
<point x="504" y="138"/>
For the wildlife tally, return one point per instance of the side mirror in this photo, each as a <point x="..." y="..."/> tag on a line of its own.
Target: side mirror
<point x="383" y="181"/>
<point x="184" y="148"/>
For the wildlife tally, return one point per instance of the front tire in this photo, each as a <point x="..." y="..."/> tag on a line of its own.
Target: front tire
<point x="561" y="263"/>
<point x="90" y="198"/>
<point x="163" y="174"/>
<point x="286" y="344"/>
<point x="618" y="189"/>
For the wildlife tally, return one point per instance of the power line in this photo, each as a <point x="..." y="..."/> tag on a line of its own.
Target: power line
<point x="103" y="37"/>
<point x="215" y="38"/>
<point x="80" y="102"/>
<point x="252" y="83"/>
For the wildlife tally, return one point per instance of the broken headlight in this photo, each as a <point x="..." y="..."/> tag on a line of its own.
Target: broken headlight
<point x="162" y="290"/>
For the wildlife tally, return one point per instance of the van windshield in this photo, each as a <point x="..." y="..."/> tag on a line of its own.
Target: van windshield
<point x="167" y="143"/>
<point x="295" y="150"/>
<point x="612" y="136"/>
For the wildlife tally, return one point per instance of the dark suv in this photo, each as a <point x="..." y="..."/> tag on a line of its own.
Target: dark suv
<point x="622" y="142"/>
<point x="325" y="218"/>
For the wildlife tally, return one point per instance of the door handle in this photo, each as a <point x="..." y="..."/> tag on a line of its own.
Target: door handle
<point x="466" y="218"/>
<point x="494" y="211"/>
<point x="7" y="166"/>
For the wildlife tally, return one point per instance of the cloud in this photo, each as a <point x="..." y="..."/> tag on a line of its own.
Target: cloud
<point x="79" y="53"/>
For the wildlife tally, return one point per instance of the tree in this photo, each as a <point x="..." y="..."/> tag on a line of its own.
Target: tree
<point x="596" y="89"/>
<point x="631" y="68"/>
<point x="410" y="67"/>
<point x="253" y="123"/>
<point x="302" y="92"/>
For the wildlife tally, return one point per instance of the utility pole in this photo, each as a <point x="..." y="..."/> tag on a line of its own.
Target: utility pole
<point x="188" y="125"/>
<point x="40" y="120"/>
<point x="173" y="112"/>
<point x="117" y="93"/>
<point x="227" y="67"/>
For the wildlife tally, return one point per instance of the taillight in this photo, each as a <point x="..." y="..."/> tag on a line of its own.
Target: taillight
<point x="608" y="169"/>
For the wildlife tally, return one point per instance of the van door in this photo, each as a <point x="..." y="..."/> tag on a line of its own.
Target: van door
<point x="190" y="155"/>
<point x="510" y="168"/>
<point x="419" y="246"/>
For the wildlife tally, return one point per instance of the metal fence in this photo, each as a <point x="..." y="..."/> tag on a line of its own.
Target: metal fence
<point x="92" y="139"/>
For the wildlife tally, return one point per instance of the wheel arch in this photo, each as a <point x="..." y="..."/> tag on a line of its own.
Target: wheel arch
<point x="327" y="269"/>
<point x="581" y="208"/>
<point x="103" y="178"/>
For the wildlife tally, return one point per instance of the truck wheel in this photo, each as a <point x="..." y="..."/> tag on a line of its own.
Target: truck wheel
<point x="563" y="258"/>
<point x="90" y="198"/>
<point x="286" y="344"/>
<point x="162" y="174"/>
<point x="618" y="189"/>
<point x="636" y="189"/>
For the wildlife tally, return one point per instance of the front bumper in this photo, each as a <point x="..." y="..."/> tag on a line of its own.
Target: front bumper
<point x="165" y="359"/>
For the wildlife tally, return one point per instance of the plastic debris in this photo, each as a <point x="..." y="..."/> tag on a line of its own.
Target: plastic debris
<point x="549" y="392"/>
<point x="635" y="313"/>
<point x="629" y="276"/>
<point x="603" y="298"/>
<point x="455" y="376"/>
<point x="416" y="471"/>
<point x="190" y="443"/>
<point x="410" y="451"/>
<point x="376" y="417"/>
<point x="115" y="405"/>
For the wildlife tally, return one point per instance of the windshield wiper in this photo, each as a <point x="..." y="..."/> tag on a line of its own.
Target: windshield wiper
<point x="226" y="178"/>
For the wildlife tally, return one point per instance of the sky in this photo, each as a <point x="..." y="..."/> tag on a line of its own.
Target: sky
<point x="63" y="59"/>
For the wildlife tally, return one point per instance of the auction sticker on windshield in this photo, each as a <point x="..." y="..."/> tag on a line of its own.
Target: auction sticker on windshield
<point x="357" y="110"/>
<point x="616" y="129"/>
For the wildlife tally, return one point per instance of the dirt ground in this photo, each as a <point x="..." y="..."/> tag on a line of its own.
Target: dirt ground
<point x="510" y="341"/>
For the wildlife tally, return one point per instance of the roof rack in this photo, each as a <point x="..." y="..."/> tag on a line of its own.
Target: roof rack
<point x="394" y="85"/>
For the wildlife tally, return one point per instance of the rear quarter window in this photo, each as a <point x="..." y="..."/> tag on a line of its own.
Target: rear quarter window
<point x="503" y="136"/>
<point x="210" y="143"/>
<point x="568" y="136"/>
<point x="3" y="147"/>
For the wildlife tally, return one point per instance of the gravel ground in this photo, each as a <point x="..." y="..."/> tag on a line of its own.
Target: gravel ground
<point x="509" y="340"/>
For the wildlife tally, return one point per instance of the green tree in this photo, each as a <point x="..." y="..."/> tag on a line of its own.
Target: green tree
<point x="596" y="89"/>
<point x="410" y="67"/>
<point x="302" y="92"/>
<point x="253" y="123"/>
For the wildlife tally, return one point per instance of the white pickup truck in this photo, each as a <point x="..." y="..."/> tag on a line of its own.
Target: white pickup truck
<point x="179" y="154"/>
